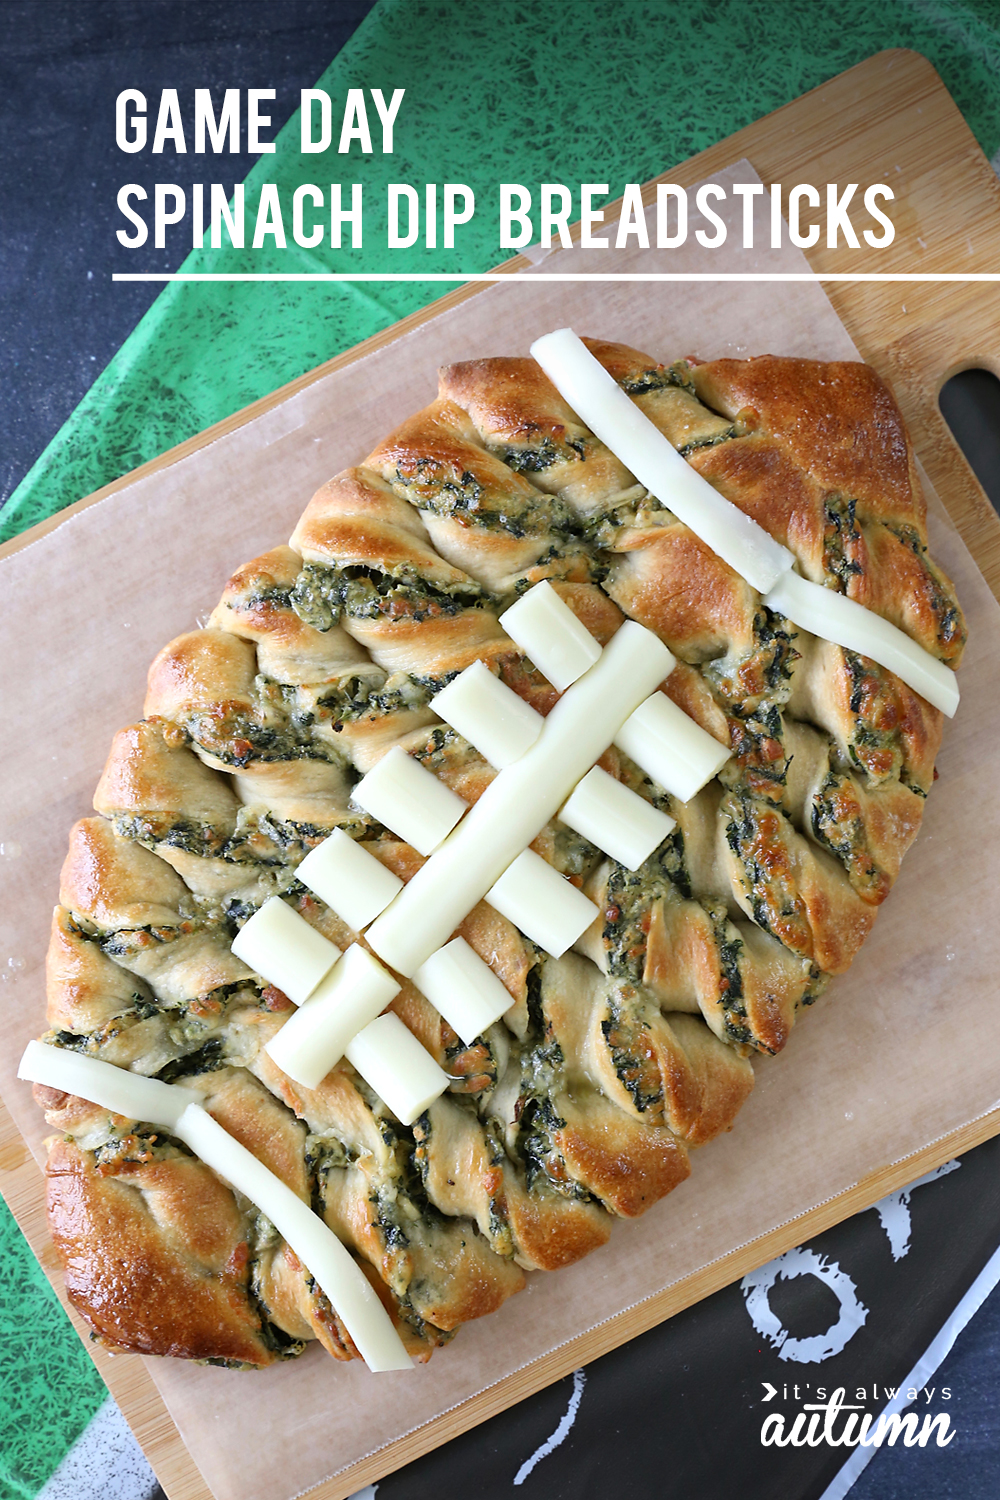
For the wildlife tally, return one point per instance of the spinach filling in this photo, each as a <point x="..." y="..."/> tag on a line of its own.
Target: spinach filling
<point x="635" y="509"/>
<point x="710" y="441"/>
<point x="755" y="832"/>
<point x="838" y="823"/>
<point x="274" y="1339"/>
<point x="91" y="1042"/>
<point x="765" y="670"/>
<point x="143" y="1144"/>
<point x="628" y="905"/>
<point x="151" y="829"/>
<point x="545" y="453"/>
<point x="277" y="596"/>
<point x="759" y="757"/>
<point x="841" y="536"/>
<point x="366" y="593"/>
<point x="461" y="496"/>
<point x="542" y="1072"/>
<point x="729" y="950"/>
<point x="544" y="1164"/>
<point x="628" y="1041"/>
<point x="362" y="696"/>
<point x="943" y="603"/>
<point x="681" y="412"/>
<point x="205" y="1059"/>
<point x="875" y="750"/>
<point x="656" y="378"/>
<point x="237" y="739"/>
<point x="131" y="942"/>
<point x="312" y="598"/>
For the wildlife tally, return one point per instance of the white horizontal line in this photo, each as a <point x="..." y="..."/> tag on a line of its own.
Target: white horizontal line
<point x="467" y="276"/>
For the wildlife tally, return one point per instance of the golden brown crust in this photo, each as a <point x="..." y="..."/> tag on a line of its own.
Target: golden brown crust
<point x="357" y="520"/>
<point x="838" y="421"/>
<point x="629" y="1166"/>
<point x="611" y="1063"/>
<point x="155" y="1256"/>
<point x="668" y="580"/>
<point x="255" y="606"/>
<point x="839" y="424"/>
<point x="205" y="672"/>
<point x="522" y="419"/>
<point x="115" y="884"/>
<point x="152" y="776"/>
<point x="84" y="989"/>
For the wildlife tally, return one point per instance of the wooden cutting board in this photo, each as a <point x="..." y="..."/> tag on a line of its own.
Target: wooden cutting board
<point x="890" y="120"/>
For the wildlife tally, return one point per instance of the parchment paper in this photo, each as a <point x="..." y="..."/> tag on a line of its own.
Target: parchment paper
<point x="899" y="1052"/>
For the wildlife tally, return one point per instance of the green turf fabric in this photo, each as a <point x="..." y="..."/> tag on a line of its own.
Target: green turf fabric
<point x="50" y="1389"/>
<point x="604" y="92"/>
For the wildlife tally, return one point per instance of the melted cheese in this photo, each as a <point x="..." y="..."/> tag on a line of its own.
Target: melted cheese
<point x="401" y="1071"/>
<point x="545" y="627"/>
<point x="463" y="988"/>
<point x="739" y="541"/>
<point x="542" y="903"/>
<point x="670" y="747"/>
<point x="282" y="948"/>
<point x="176" y="1109"/>
<point x="115" y="1089"/>
<point x="846" y="623"/>
<point x="317" y="1247"/>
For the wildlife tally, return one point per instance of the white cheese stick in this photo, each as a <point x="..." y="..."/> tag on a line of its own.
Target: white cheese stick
<point x="615" y="818"/>
<point x="521" y="799"/>
<point x="282" y="948"/>
<point x="611" y="415"/>
<point x="113" y="1088"/>
<point x="355" y="991"/>
<point x="542" y="903"/>
<point x="489" y="715"/>
<point x="317" y="1247"/>
<point x="463" y="988"/>
<point x="545" y="627"/>
<point x="351" y="881"/>
<point x="670" y="747"/>
<point x="176" y="1109"/>
<point x="847" y="623"/>
<point x="409" y="800"/>
<point x="401" y="1071"/>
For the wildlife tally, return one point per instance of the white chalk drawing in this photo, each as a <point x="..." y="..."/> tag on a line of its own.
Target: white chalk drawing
<point x="894" y="1216"/>
<point x="561" y="1432"/>
<point x="757" y="1286"/>
<point x="894" y="1210"/>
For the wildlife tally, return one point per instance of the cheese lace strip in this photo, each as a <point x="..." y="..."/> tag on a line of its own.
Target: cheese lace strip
<point x="177" y="1110"/>
<point x="607" y="410"/>
<point x="521" y="799"/>
<point x="412" y="928"/>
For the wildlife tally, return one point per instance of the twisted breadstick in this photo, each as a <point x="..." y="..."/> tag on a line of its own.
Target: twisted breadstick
<point x="584" y="1103"/>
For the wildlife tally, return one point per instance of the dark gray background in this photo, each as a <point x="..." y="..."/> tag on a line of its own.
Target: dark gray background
<point x="62" y="65"/>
